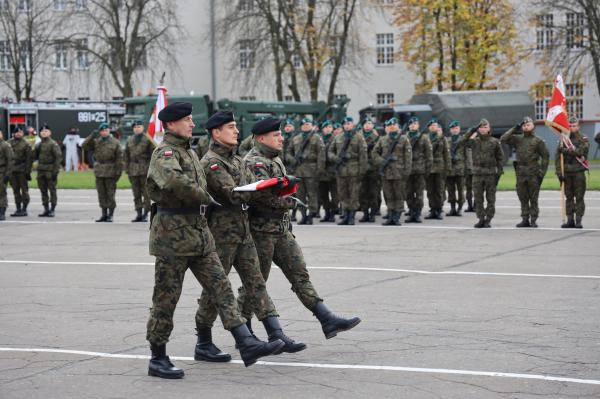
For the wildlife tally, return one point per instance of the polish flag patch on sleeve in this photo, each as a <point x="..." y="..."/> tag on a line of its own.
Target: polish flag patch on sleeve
<point x="214" y="166"/>
<point x="259" y="164"/>
<point x="168" y="153"/>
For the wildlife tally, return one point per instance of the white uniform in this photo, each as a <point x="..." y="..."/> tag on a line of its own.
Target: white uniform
<point x="71" y="142"/>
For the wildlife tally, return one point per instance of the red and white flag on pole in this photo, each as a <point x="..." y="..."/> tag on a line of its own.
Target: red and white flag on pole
<point x="155" y="128"/>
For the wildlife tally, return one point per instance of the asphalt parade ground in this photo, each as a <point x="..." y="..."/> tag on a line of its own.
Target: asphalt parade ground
<point x="447" y="311"/>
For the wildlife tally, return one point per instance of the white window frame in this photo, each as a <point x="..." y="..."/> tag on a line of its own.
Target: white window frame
<point x="575" y="30"/>
<point x="385" y="98"/>
<point x="61" y="57"/>
<point x="384" y="43"/>
<point x="247" y="54"/>
<point x="5" y="56"/>
<point x="544" y="31"/>
<point x="574" y="97"/>
<point x="82" y="60"/>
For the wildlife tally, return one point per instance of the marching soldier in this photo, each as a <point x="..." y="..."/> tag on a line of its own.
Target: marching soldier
<point x="327" y="184"/>
<point x="271" y="230"/>
<point x="180" y="240"/>
<point x="455" y="181"/>
<point x="138" y="152"/>
<point x="246" y="145"/>
<point x="202" y="145"/>
<point x="348" y="152"/>
<point x="49" y="157"/>
<point x="530" y="167"/>
<point x="21" y="171"/>
<point x="573" y="178"/>
<point x="307" y="155"/>
<point x="436" y="179"/>
<point x="488" y="162"/>
<point x="422" y="160"/>
<point x="6" y="161"/>
<point x="370" y="186"/>
<point x="108" y="166"/>
<point x="393" y="155"/>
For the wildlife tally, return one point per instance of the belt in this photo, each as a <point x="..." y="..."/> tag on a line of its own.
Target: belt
<point x="231" y="208"/>
<point x="183" y="211"/>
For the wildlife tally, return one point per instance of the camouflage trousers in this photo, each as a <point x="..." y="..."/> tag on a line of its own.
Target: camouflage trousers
<point x="244" y="259"/>
<point x="485" y="185"/>
<point x="469" y="187"/>
<point x="168" y="281"/>
<point x="3" y="196"/>
<point x="20" y="186"/>
<point x="370" y="189"/>
<point x="140" y="192"/>
<point x="575" y="186"/>
<point x="415" y="185"/>
<point x="393" y="191"/>
<point x="435" y="184"/>
<point x="106" y="188"/>
<point x="528" y="191"/>
<point x="284" y="251"/>
<point x="455" y="185"/>
<point x="308" y="192"/>
<point x="348" y="189"/>
<point x="46" y="183"/>
<point x="328" y="196"/>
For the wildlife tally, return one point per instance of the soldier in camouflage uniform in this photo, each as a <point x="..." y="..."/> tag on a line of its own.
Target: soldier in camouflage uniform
<point x="327" y="184"/>
<point x="108" y="166"/>
<point x="289" y="132"/>
<point x="530" y="167"/>
<point x="245" y="146"/>
<point x="6" y="161"/>
<point x="49" y="157"/>
<point x="469" y="180"/>
<point x="180" y="240"/>
<point x="455" y="180"/>
<point x="307" y="156"/>
<point x="488" y="163"/>
<point x="348" y="152"/>
<point x="370" y="186"/>
<point x="573" y="177"/>
<point x="393" y="157"/>
<point x="202" y="145"/>
<point x="21" y="171"/>
<point x="138" y="152"/>
<point x="271" y="230"/>
<point x="230" y="227"/>
<point x="436" y="179"/>
<point x="422" y="161"/>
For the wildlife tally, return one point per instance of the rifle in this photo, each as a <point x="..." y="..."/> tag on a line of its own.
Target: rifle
<point x="299" y="157"/>
<point x="389" y="157"/>
<point x="343" y="157"/>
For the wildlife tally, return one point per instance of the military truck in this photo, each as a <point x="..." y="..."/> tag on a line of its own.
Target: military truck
<point x="381" y="113"/>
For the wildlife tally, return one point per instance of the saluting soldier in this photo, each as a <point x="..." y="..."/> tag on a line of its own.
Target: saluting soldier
<point x="370" y="186"/>
<point x="202" y="145"/>
<point x="328" y="197"/>
<point x="108" y="166"/>
<point x="530" y="167"/>
<point x="6" y="162"/>
<point x="422" y="161"/>
<point x="21" y="171"/>
<point x="231" y="229"/>
<point x="469" y="179"/>
<point x="393" y="156"/>
<point x="49" y="157"/>
<point x="455" y="180"/>
<point x="271" y="230"/>
<point x="436" y="179"/>
<point x="180" y="240"/>
<point x="138" y="152"/>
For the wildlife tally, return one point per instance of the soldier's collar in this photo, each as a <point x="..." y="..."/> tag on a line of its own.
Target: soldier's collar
<point x="171" y="138"/>
<point x="266" y="151"/>
<point x="221" y="149"/>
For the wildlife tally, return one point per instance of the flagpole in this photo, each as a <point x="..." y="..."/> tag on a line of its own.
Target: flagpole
<point x="563" y="207"/>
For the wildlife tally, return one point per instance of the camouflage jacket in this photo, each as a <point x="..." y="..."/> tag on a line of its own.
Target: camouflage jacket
<point x="488" y="158"/>
<point x="224" y="171"/>
<point x="441" y="154"/>
<point x="422" y="153"/>
<point x="138" y="152"/>
<point x="458" y="156"/>
<point x="468" y="161"/>
<point x="108" y="155"/>
<point x="355" y="162"/>
<point x="371" y="138"/>
<point x="22" y="155"/>
<point x="400" y="164"/>
<point x="285" y="155"/>
<point x="202" y="145"/>
<point x="6" y="158"/>
<point x="48" y="155"/>
<point x="307" y="157"/>
<point x="176" y="180"/>
<point x="581" y="148"/>
<point x="245" y="146"/>
<point x="329" y="173"/>
<point x="532" y="153"/>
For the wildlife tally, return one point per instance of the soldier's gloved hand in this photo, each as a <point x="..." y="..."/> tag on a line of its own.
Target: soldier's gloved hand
<point x="497" y="179"/>
<point x="472" y="130"/>
<point x="28" y="176"/>
<point x="518" y="126"/>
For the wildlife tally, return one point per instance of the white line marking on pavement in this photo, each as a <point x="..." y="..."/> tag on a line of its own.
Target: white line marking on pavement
<point x="374" y="269"/>
<point x="542" y="377"/>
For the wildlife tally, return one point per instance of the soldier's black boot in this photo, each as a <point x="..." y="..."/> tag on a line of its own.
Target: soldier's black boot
<point x="251" y="348"/>
<point x="344" y="220"/>
<point x="24" y="209"/>
<point x="396" y="217"/>
<point x="524" y="222"/>
<point x="309" y="218"/>
<point x="452" y="209"/>
<point x="470" y="206"/>
<point x="45" y="213"/>
<point x="103" y="217"/>
<point x="390" y="219"/>
<point x="351" y="215"/>
<point x="293" y="217"/>
<point x="411" y="216"/>
<point x="52" y="209"/>
<point x="325" y="217"/>
<point x="372" y="214"/>
<point x="578" y="224"/>
<point x="418" y="216"/>
<point x="275" y="332"/>
<point x="487" y="223"/>
<point x="570" y="223"/>
<point x="365" y="216"/>
<point x="160" y="364"/>
<point x="438" y="214"/>
<point x="2" y="213"/>
<point x="459" y="210"/>
<point x="138" y="218"/>
<point x="145" y="215"/>
<point x="303" y="220"/>
<point x="533" y="222"/>
<point x="431" y="214"/>
<point x="387" y="215"/>
<point x="479" y="224"/>
<point x="206" y="350"/>
<point x="109" y="216"/>
<point x="331" y="323"/>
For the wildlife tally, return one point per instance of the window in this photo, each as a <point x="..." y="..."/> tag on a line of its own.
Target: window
<point x="61" y="55"/>
<point x="83" y="99"/>
<point x="24" y="5"/>
<point x="81" y="54"/>
<point x="246" y="54"/>
<point x="24" y="55"/>
<point x="385" y="98"/>
<point x="574" y="93"/>
<point x="60" y="5"/>
<point x="385" y="48"/>
<point x="248" y="98"/>
<point x="246" y="5"/>
<point x="335" y="47"/>
<point x="339" y="96"/>
<point x="543" y="93"/>
<point x="575" y="26"/>
<point x="5" y="56"/>
<point x="544" y="31"/>
<point x="62" y="98"/>
<point x="139" y="51"/>
<point x="81" y="5"/>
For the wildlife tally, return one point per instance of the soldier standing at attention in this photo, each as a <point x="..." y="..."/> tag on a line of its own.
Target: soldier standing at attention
<point x="574" y="174"/>
<point x="349" y="155"/>
<point x="436" y="179"/>
<point x="530" y="167"/>
<point x="6" y="160"/>
<point x="422" y="161"/>
<point x="327" y="187"/>
<point x="469" y="179"/>
<point x="307" y="155"/>
<point x="138" y="152"/>
<point x="180" y="240"/>
<point x="108" y="167"/>
<point x="272" y="235"/>
<point x="488" y="166"/>
<point x="455" y="181"/>
<point x="370" y="186"/>
<point x="49" y="157"/>
<point x="21" y="171"/>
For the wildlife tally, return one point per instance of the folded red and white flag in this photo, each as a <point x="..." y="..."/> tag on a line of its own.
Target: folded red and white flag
<point x="288" y="185"/>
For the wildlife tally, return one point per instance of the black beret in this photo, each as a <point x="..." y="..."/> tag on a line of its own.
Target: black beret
<point x="175" y="111"/>
<point x="219" y="119"/>
<point x="266" y="125"/>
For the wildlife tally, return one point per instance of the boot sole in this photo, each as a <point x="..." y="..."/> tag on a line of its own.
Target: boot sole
<point x="201" y="358"/>
<point x="152" y="373"/>
<point x="335" y="333"/>
<point x="277" y="350"/>
<point x="301" y="348"/>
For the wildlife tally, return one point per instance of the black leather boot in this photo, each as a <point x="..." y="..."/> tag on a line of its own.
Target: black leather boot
<point x="351" y="215"/>
<point x="309" y="218"/>
<point x="459" y="210"/>
<point x="533" y="222"/>
<point x="103" y="217"/>
<point x="578" y="224"/>
<point x="251" y="348"/>
<point x="325" y="217"/>
<point x="470" y="206"/>
<point x="479" y="224"/>
<point x="45" y="213"/>
<point x="487" y="223"/>
<point x="2" y="213"/>
<point x="372" y="214"/>
<point x="206" y="350"/>
<point x="139" y="217"/>
<point x="24" y="209"/>
<point x="390" y="221"/>
<point x="145" y="215"/>
<point x="396" y="217"/>
<point x="51" y="212"/>
<point x="411" y="216"/>
<point x="160" y="364"/>
<point x="109" y="217"/>
<point x="438" y="214"/>
<point x="524" y="223"/>
<point x="344" y="220"/>
<point x="275" y="332"/>
<point x="452" y="209"/>
<point x="303" y="220"/>
<point x="365" y="216"/>
<point x="569" y="225"/>
<point x="331" y="323"/>
<point x="418" y="216"/>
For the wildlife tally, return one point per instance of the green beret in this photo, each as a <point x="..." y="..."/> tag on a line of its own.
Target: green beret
<point x="412" y="120"/>
<point x="104" y="126"/>
<point x="337" y="125"/>
<point x="454" y="123"/>
<point x="307" y="120"/>
<point x="219" y="119"/>
<point x="326" y="123"/>
<point x="392" y="121"/>
<point x="432" y="121"/>
<point x="289" y="121"/>
<point x="368" y="119"/>
<point x="484" y="122"/>
<point x="175" y="111"/>
<point x="573" y="120"/>
<point x="137" y="123"/>
<point x="527" y="119"/>
<point x="348" y="119"/>
<point x="265" y="126"/>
